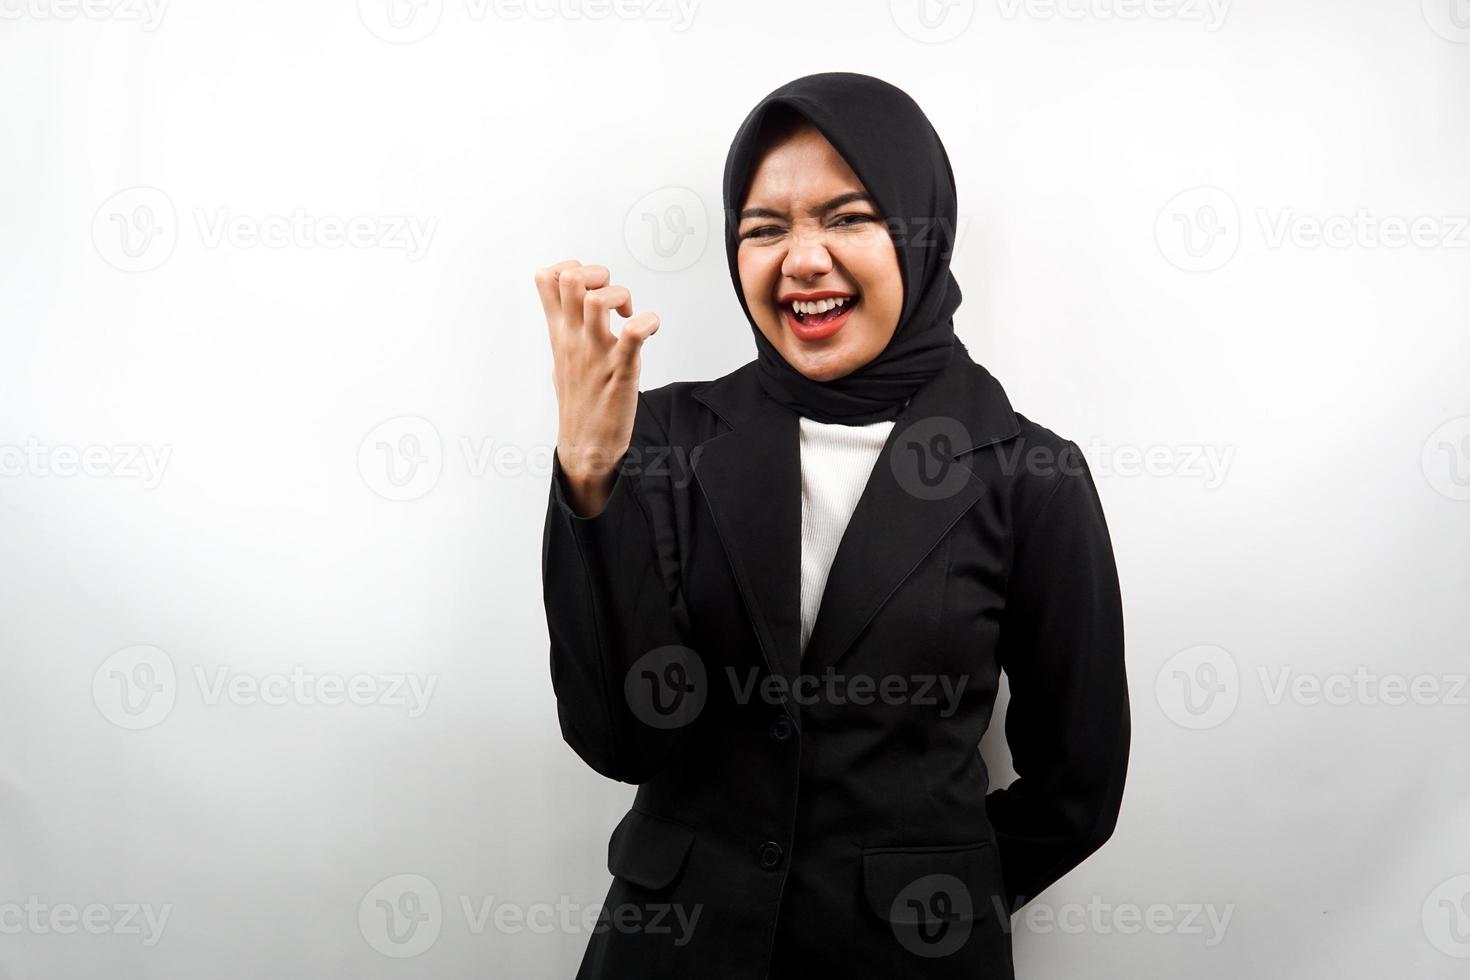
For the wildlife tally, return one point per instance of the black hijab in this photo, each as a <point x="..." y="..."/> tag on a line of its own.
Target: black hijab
<point x="890" y="144"/>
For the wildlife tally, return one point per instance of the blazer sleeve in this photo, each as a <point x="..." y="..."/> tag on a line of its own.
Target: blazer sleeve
<point x="609" y="587"/>
<point x="1067" y="723"/>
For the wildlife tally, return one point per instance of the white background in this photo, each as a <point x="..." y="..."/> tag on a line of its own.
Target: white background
<point x="235" y="446"/>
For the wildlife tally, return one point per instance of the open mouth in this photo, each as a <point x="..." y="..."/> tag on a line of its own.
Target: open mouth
<point x="813" y="320"/>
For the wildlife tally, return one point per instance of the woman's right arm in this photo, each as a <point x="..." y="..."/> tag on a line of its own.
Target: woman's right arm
<point x="609" y="605"/>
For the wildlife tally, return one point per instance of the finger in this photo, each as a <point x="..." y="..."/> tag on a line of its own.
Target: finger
<point x="599" y="301"/>
<point x="574" y="285"/>
<point x="634" y="333"/>
<point x="549" y="290"/>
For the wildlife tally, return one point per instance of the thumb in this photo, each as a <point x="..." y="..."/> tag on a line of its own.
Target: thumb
<point x="635" y="331"/>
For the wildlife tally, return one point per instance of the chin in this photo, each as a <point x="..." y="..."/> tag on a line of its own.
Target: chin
<point x="821" y="361"/>
<point x="821" y="365"/>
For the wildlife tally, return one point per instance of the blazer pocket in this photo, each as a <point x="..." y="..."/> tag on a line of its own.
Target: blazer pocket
<point x="648" y="851"/>
<point x="921" y="886"/>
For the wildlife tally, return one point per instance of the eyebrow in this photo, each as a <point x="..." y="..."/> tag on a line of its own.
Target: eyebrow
<point x="831" y="205"/>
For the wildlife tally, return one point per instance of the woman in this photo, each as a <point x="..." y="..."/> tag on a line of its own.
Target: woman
<point x="780" y="602"/>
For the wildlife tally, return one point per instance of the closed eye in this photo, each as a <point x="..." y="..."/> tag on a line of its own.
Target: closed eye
<point x="851" y="220"/>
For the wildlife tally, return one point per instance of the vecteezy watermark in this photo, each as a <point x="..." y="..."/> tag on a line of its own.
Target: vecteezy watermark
<point x="831" y="688"/>
<point x="674" y="920"/>
<point x="1362" y="686"/>
<point x="667" y="687"/>
<point x="403" y="915"/>
<point x="1201" y="686"/>
<point x="677" y="13"/>
<point x="666" y="230"/>
<point x="1198" y="687"/>
<point x="400" y="21"/>
<point x="913" y="231"/>
<point x="1197" y="461"/>
<point x="1445" y="916"/>
<point x="940" y="232"/>
<point x="407" y="21"/>
<point x="923" y="457"/>
<point x="932" y="21"/>
<point x="147" y="14"/>
<point x="1445" y="458"/>
<point x="1099" y="917"/>
<point x="403" y="458"/>
<point x="298" y="686"/>
<point x="1209" y="13"/>
<point x="37" y="918"/>
<point x="933" y="915"/>
<point x="1204" y="462"/>
<point x="138" y="228"/>
<point x="1362" y="229"/>
<point x="1200" y="229"/>
<point x="137" y="687"/>
<point x="1450" y="19"/>
<point x="143" y="462"/>
<point x="408" y="233"/>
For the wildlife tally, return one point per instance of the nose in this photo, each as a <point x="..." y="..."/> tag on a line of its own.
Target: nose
<point x="807" y="256"/>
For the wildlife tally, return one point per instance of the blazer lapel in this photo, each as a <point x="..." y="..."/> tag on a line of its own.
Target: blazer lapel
<point x="920" y="487"/>
<point x="751" y="477"/>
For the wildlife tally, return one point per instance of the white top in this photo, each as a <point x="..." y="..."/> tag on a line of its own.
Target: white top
<point x="836" y="461"/>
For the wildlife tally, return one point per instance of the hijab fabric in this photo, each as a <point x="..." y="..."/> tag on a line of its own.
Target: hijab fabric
<point x="890" y="144"/>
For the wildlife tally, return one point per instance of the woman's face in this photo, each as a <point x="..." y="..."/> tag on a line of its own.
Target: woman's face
<point x="807" y="233"/>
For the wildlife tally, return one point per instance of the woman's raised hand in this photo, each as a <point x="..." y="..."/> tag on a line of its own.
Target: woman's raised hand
<point x="595" y="373"/>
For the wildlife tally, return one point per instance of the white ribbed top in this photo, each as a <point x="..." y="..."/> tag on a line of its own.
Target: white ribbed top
<point x="836" y="461"/>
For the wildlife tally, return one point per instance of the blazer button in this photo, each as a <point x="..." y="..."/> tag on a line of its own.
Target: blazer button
<point x="781" y="729"/>
<point x="770" y="855"/>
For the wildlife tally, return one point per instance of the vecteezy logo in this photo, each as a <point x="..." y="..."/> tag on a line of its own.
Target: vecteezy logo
<point x="1450" y="19"/>
<point x="136" y="229"/>
<point x="932" y="916"/>
<point x="667" y="687"/>
<point x="923" y="457"/>
<point x="932" y="21"/>
<point x="402" y="458"/>
<point x="1446" y="458"/>
<point x="401" y="916"/>
<point x="1446" y="917"/>
<point x="1199" y="229"/>
<point x="1198" y="687"/>
<point x="667" y="230"/>
<point x="136" y="687"/>
<point x="400" y="21"/>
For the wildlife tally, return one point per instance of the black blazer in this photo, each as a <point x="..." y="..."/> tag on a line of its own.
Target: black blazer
<point x="826" y="813"/>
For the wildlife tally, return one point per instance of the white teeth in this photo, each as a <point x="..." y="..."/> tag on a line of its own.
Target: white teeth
<point x="820" y="306"/>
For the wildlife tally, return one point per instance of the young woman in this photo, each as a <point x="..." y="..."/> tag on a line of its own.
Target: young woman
<point x="780" y="602"/>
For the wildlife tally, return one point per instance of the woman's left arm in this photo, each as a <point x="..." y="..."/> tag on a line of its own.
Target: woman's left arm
<point x="1067" y="723"/>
